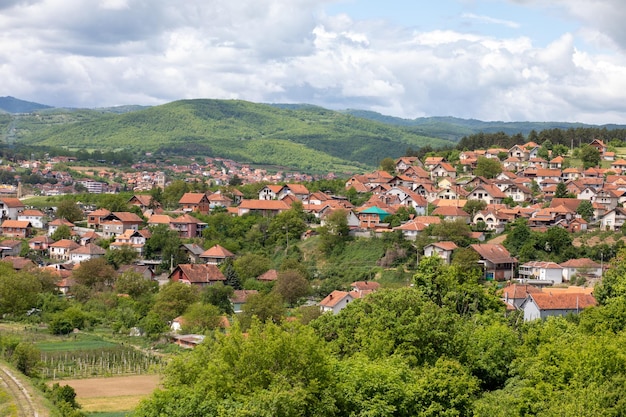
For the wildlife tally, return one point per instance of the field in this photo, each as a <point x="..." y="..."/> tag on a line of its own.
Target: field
<point x="112" y="395"/>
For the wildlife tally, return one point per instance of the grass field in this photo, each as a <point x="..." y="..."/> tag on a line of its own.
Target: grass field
<point x="67" y="346"/>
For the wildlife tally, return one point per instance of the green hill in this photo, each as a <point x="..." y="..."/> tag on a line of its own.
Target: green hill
<point x="14" y="105"/>
<point x="309" y="138"/>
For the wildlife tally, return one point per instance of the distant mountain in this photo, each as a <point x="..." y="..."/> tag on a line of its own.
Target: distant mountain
<point x="307" y="138"/>
<point x="453" y="128"/>
<point x="14" y="105"/>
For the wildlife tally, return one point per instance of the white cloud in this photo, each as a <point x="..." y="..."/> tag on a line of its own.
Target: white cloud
<point x="491" y="20"/>
<point x="148" y="52"/>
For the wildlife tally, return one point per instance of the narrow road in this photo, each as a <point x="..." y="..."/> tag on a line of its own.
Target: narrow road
<point x="26" y="405"/>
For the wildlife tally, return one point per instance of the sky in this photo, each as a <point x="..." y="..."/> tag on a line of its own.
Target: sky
<point x="492" y="60"/>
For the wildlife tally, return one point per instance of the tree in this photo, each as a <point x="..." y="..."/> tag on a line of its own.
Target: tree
<point x="291" y="285"/>
<point x="590" y="156"/>
<point x="200" y="318"/>
<point x="232" y="279"/>
<point x="487" y="167"/>
<point x="265" y="307"/>
<point x="95" y="274"/>
<point x="62" y="232"/>
<point x="474" y="206"/>
<point x="251" y="265"/>
<point x="561" y="191"/>
<point x="18" y="291"/>
<point x="585" y="209"/>
<point x="335" y="232"/>
<point x="219" y="296"/>
<point x="388" y="165"/>
<point x="113" y="202"/>
<point x="173" y="299"/>
<point x="456" y="231"/>
<point x="135" y="285"/>
<point x="124" y="255"/>
<point x="26" y="357"/>
<point x="68" y="209"/>
<point x="288" y="225"/>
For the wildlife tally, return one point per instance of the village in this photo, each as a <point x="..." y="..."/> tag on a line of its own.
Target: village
<point x="542" y="193"/>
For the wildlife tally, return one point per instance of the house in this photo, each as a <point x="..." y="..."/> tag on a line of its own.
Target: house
<point x="581" y="267"/>
<point x="85" y="253"/>
<point x="35" y="217"/>
<point x="10" y="208"/>
<point x="442" y="170"/>
<point x="270" y="192"/>
<point x="372" y="217"/>
<point x="94" y="218"/>
<point x="118" y="222"/>
<point x="193" y="252"/>
<point x="613" y="220"/>
<point x="40" y="243"/>
<point x="488" y="193"/>
<point x="266" y="208"/>
<point x="452" y="213"/>
<point x="10" y="247"/>
<point x="197" y="274"/>
<point x="144" y="202"/>
<point x="336" y="301"/>
<point x="403" y="163"/>
<point x="543" y="305"/>
<point x="18" y="263"/>
<point x="414" y="227"/>
<point x="543" y="271"/>
<point x="56" y="223"/>
<point x="133" y="238"/>
<point x="599" y="145"/>
<point x="145" y="271"/>
<point x="514" y="295"/>
<point x="268" y="276"/>
<point x="239" y="298"/>
<point x="362" y="288"/>
<point x="497" y="262"/>
<point x="195" y="202"/>
<point x="216" y="255"/>
<point x="61" y="250"/>
<point x="441" y="249"/>
<point x="519" y="152"/>
<point x="16" y="228"/>
<point x="187" y="226"/>
<point x="299" y="191"/>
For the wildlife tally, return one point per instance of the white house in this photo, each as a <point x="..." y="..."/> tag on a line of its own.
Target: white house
<point x="543" y="305"/>
<point x="543" y="271"/>
<point x="336" y="301"/>
<point x="85" y="253"/>
<point x="441" y="249"/>
<point x="583" y="266"/>
<point x="35" y="217"/>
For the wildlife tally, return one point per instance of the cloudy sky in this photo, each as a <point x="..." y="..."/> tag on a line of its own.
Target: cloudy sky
<point x="510" y="60"/>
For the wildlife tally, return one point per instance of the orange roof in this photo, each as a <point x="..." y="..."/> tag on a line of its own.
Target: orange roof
<point x="198" y="273"/>
<point x="516" y="291"/>
<point x="365" y="285"/>
<point x="186" y="219"/>
<point x="127" y="217"/>
<point x="450" y="211"/>
<point x="65" y="243"/>
<point x="560" y="301"/>
<point x="264" y="205"/>
<point x="217" y="251"/>
<point x="494" y="253"/>
<point x="334" y="298"/>
<point x="271" y="275"/>
<point x="31" y="213"/>
<point x="16" y="224"/>
<point x="159" y="219"/>
<point x="445" y="245"/>
<point x="297" y="188"/>
<point x="191" y="198"/>
<point x="61" y="222"/>
<point x="12" y="202"/>
<point x="89" y="249"/>
<point x="580" y="263"/>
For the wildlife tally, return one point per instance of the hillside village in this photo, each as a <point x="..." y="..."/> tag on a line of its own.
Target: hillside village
<point x="409" y="199"/>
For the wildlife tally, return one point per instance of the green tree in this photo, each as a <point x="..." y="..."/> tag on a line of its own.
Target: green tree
<point x="585" y="209"/>
<point x="251" y="265"/>
<point x="26" y="358"/>
<point x="561" y="191"/>
<point x="335" y="232"/>
<point x="219" y="296"/>
<point x="487" y="167"/>
<point x="456" y="231"/>
<point x="590" y="156"/>
<point x="123" y="255"/>
<point x="114" y="202"/>
<point x="388" y="165"/>
<point x="173" y="299"/>
<point x="232" y="279"/>
<point x="19" y="292"/>
<point x="288" y="225"/>
<point x="68" y="209"/>
<point x="200" y="318"/>
<point x="292" y="286"/>
<point x="135" y="285"/>
<point x="62" y="232"/>
<point x="264" y="307"/>
<point x="474" y="206"/>
<point x="95" y="274"/>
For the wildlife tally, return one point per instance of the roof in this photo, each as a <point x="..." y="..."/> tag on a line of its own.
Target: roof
<point x="159" y="219"/>
<point x="198" y="273"/>
<point x="36" y="213"/>
<point x="264" y="205"/>
<point x="450" y="211"/>
<point x="126" y="216"/>
<point x="365" y="285"/>
<point x="334" y="298"/>
<point x="445" y="245"/>
<point x="516" y="291"/>
<point x="271" y="275"/>
<point x="185" y="219"/>
<point x="192" y="198"/>
<point x="580" y="263"/>
<point x="241" y="296"/>
<point x="297" y="188"/>
<point x="65" y="243"/>
<point x="217" y="251"/>
<point x="193" y="248"/>
<point x="61" y="222"/>
<point x="560" y="301"/>
<point x="494" y="253"/>
<point x="88" y="249"/>
<point x="16" y="224"/>
<point x="12" y="202"/>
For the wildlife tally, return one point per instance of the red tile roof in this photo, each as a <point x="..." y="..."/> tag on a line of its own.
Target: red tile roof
<point x="560" y="301"/>
<point x="217" y="251"/>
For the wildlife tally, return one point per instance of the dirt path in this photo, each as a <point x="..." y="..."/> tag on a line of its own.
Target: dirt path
<point x="23" y="398"/>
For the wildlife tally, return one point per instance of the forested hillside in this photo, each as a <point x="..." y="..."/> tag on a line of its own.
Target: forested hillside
<point x="310" y="138"/>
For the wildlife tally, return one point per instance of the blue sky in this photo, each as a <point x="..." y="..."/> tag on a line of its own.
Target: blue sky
<point x="510" y="60"/>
